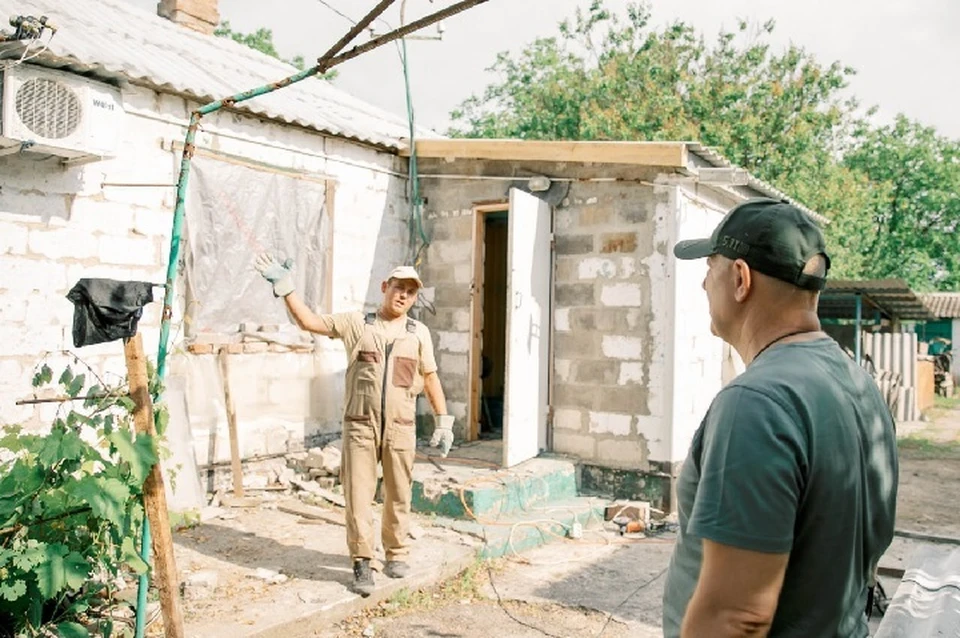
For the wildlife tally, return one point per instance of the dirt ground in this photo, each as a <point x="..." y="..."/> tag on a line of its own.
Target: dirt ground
<point x="930" y="474"/>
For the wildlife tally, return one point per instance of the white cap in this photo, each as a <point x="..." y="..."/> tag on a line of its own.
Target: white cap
<point x="405" y="272"/>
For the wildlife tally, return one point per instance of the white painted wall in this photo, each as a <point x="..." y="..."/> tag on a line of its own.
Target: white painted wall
<point x="59" y="224"/>
<point x="698" y="356"/>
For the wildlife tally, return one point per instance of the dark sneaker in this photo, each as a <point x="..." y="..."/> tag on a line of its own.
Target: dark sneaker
<point x="362" y="577"/>
<point x="396" y="569"/>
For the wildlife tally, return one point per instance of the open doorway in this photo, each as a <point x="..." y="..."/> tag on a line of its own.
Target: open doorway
<point x="510" y="316"/>
<point x="493" y="331"/>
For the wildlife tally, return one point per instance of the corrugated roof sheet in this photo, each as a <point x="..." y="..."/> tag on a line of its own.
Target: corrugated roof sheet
<point x="114" y="39"/>
<point x="945" y="305"/>
<point x="927" y="602"/>
<point x="892" y="297"/>
<point x="714" y="157"/>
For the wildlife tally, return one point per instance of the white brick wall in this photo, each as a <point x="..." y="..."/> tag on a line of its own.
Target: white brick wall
<point x="620" y="347"/>
<point x="59" y="225"/>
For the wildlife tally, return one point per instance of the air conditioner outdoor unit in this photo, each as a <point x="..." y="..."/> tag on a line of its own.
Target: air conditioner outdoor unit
<point x="58" y="113"/>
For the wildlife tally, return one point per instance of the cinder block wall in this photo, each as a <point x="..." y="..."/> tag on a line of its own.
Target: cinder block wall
<point x="608" y="366"/>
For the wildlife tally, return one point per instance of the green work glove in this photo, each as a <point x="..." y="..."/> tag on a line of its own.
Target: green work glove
<point x="276" y="273"/>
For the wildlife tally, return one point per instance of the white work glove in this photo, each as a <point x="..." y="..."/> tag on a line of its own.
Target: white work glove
<point x="442" y="433"/>
<point x="276" y="273"/>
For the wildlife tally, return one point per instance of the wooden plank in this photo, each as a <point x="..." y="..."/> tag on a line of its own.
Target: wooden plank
<point x="666" y="154"/>
<point x="154" y="496"/>
<point x="476" y="319"/>
<point x="312" y="513"/>
<point x="224" y="357"/>
<point x="930" y="538"/>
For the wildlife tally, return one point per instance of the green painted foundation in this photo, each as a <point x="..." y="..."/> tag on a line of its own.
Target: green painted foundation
<point x="503" y="494"/>
<point x="634" y="485"/>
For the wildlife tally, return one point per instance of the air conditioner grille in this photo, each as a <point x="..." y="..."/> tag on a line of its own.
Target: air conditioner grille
<point x="48" y="108"/>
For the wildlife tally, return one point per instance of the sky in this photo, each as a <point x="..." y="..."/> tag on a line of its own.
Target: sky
<point x="906" y="54"/>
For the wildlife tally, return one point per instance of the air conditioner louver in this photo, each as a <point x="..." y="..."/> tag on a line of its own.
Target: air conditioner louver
<point x="59" y="113"/>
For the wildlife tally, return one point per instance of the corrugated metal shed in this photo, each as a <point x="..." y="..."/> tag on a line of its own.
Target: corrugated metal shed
<point x="115" y="40"/>
<point x="715" y="158"/>
<point x="892" y="298"/>
<point x="927" y="602"/>
<point x="945" y="305"/>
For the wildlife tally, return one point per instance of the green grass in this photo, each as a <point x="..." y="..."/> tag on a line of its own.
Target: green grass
<point x="946" y="403"/>
<point x="916" y="446"/>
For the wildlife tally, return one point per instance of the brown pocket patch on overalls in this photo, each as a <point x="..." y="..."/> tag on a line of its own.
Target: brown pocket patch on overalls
<point x="368" y="356"/>
<point x="404" y="371"/>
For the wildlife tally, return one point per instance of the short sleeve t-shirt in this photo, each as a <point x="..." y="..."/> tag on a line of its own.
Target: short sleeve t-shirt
<point x="348" y="326"/>
<point x="797" y="455"/>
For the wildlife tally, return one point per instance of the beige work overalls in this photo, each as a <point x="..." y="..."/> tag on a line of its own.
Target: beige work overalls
<point x="383" y="381"/>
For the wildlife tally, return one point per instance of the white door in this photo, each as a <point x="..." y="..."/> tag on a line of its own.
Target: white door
<point x="528" y="328"/>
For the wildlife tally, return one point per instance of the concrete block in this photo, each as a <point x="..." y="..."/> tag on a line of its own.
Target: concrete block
<point x="574" y="244"/>
<point x="34" y="340"/>
<point x="454" y="341"/>
<point x="128" y="250"/>
<point x="561" y="320"/>
<point x="618" y="242"/>
<point x="454" y="228"/>
<point x="153" y="222"/>
<point x="596" y="372"/>
<point x="13" y="239"/>
<point x="623" y="399"/>
<point x="18" y="274"/>
<point x="463" y="274"/>
<point x="620" y="347"/>
<point x="62" y="243"/>
<point x="565" y="419"/>
<point x="610" y="423"/>
<point x="621" y="295"/>
<point x="574" y="295"/>
<point x="452" y="364"/>
<point x="100" y="216"/>
<point x="562" y="367"/>
<point x="627" y="267"/>
<point x="596" y="268"/>
<point x="451" y="252"/>
<point x="567" y="270"/>
<point x="13" y="309"/>
<point x="596" y="215"/>
<point x="631" y="372"/>
<point x="581" y="445"/>
<point x="638" y="210"/>
<point x="623" y="453"/>
<point x="576" y="345"/>
<point x="451" y="296"/>
<point x="576" y="397"/>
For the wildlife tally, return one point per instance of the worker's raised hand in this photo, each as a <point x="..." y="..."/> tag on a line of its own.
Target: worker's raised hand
<point x="276" y="273"/>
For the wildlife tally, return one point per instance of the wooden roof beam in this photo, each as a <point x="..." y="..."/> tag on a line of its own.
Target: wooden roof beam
<point x="665" y="154"/>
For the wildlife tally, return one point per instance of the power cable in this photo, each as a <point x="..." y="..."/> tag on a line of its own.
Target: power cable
<point x="636" y="591"/>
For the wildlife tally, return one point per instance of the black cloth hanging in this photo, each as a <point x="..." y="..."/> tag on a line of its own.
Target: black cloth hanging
<point x="106" y="310"/>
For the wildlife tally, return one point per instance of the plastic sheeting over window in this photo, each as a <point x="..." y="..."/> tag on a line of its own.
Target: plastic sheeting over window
<point x="236" y="211"/>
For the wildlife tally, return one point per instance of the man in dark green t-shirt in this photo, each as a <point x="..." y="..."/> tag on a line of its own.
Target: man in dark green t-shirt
<point x="787" y="497"/>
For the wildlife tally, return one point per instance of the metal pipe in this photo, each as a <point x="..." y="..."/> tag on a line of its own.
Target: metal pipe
<point x="402" y="31"/>
<point x="857" y="326"/>
<point x="324" y="63"/>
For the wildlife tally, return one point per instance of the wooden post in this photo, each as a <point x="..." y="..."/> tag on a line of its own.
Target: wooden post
<point x="154" y="496"/>
<point x="231" y="424"/>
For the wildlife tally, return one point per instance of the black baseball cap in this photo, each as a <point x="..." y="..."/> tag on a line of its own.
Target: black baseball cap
<point x="773" y="237"/>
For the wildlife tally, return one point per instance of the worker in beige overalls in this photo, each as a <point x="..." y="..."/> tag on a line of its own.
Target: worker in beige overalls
<point x="390" y="362"/>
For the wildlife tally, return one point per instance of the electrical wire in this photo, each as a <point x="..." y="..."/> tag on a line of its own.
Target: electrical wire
<point x="636" y="591"/>
<point x="493" y="586"/>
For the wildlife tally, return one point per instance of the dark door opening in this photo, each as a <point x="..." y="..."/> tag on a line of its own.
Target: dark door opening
<point x="494" y="328"/>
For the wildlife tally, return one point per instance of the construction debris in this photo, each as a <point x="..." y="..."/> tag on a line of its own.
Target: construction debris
<point x="200" y="585"/>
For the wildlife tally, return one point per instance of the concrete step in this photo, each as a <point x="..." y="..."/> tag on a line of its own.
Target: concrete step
<point x="517" y="533"/>
<point x="465" y="492"/>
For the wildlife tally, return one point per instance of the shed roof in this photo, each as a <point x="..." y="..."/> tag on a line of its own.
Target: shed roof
<point x="892" y="298"/>
<point x="670" y="155"/>
<point x="114" y="39"/>
<point x="945" y="305"/>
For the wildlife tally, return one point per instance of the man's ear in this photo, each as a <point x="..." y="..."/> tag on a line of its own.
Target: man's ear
<point x="383" y="286"/>
<point x="743" y="280"/>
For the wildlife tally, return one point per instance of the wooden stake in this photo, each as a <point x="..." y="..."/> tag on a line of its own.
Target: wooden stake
<point x="154" y="496"/>
<point x="231" y="424"/>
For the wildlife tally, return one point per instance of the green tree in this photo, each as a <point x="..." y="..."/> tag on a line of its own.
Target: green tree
<point x="916" y="217"/>
<point x="783" y="115"/>
<point x="262" y="40"/>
